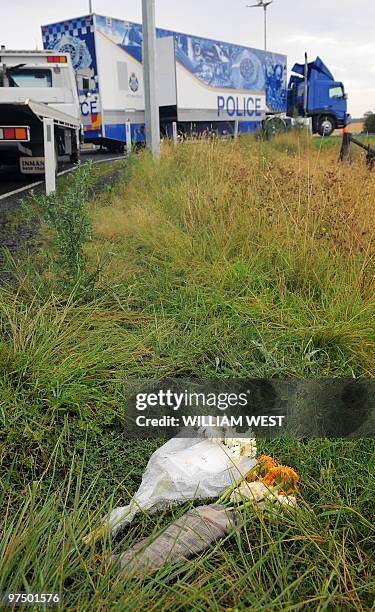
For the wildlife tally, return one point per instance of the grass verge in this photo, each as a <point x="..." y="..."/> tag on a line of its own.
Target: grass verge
<point x="223" y="260"/>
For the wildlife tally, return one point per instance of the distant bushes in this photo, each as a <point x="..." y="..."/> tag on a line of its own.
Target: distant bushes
<point x="369" y="124"/>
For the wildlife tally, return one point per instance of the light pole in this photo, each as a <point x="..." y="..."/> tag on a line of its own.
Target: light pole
<point x="262" y="4"/>
<point x="149" y="72"/>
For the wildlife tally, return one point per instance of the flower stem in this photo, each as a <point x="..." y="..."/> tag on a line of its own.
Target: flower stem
<point x="253" y="502"/>
<point x="234" y="486"/>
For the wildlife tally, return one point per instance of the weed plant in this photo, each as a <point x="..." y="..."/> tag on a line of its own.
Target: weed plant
<point x="65" y="213"/>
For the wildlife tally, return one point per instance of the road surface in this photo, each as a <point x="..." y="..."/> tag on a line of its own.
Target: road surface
<point x="11" y="179"/>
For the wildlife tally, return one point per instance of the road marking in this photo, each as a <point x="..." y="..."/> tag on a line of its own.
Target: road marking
<point x="21" y="189"/>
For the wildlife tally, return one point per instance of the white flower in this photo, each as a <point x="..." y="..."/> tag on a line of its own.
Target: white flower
<point x="252" y="491"/>
<point x="261" y="495"/>
<point x="287" y="500"/>
<point x="242" y="447"/>
<point x="237" y="448"/>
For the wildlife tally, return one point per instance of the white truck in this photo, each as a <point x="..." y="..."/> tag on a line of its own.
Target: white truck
<point x="36" y="88"/>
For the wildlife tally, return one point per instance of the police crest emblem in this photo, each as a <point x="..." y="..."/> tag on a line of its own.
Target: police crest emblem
<point x="133" y="82"/>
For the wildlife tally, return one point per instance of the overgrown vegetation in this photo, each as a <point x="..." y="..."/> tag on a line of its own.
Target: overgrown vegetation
<point x="224" y="260"/>
<point x="65" y="212"/>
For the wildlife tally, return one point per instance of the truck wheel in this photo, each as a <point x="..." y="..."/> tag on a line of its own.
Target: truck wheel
<point x="326" y="126"/>
<point x="115" y="147"/>
<point x="75" y="156"/>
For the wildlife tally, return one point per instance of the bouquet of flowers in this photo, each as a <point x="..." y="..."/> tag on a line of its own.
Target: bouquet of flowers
<point x="264" y="486"/>
<point x="183" y="469"/>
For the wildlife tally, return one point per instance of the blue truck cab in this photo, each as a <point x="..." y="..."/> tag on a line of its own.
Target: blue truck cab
<point x="313" y="92"/>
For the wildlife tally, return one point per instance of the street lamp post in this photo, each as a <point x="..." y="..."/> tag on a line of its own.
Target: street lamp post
<point x="149" y="71"/>
<point x="262" y="4"/>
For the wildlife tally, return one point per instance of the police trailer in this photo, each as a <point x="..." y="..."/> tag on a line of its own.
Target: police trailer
<point x="202" y="84"/>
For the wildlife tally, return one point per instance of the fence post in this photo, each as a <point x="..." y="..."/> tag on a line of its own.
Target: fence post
<point x="175" y="135"/>
<point x="345" y="145"/>
<point x="128" y="128"/>
<point x="50" y="160"/>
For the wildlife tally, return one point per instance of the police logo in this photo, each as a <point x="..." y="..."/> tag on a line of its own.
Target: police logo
<point x="133" y="82"/>
<point x="77" y="49"/>
<point x="247" y="68"/>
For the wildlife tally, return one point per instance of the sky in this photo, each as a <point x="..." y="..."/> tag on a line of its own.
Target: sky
<point x="341" y="32"/>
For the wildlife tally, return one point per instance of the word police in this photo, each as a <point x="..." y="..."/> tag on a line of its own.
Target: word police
<point x="236" y="106"/>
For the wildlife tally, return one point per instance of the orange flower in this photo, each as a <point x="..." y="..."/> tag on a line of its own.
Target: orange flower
<point x="266" y="463"/>
<point x="283" y="477"/>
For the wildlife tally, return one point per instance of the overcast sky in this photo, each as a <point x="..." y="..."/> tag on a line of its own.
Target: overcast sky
<point x="342" y="32"/>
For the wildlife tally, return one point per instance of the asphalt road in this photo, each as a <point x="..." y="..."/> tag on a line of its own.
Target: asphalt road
<point x="11" y="179"/>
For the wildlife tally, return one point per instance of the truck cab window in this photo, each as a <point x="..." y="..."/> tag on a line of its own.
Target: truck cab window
<point x="336" y="93"/>
<point x="23" y="77"/>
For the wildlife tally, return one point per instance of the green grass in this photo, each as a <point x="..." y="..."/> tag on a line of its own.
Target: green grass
<point x="334" y="141"/>
<point x="320" y="557"/>
<point x="225" y="260"/>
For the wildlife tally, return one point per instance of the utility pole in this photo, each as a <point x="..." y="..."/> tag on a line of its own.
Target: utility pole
<point x="262" y="4"/>
<point x="149" y="71"/>
<point x="306" y="73"/>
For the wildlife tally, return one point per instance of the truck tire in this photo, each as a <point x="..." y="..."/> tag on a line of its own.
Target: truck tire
<point x="326" y="125"/>
<point x="115" y="147"/>
<point x="75" y="156"/>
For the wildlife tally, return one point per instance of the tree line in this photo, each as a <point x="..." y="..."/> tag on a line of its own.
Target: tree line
<point x="369" y="122"/>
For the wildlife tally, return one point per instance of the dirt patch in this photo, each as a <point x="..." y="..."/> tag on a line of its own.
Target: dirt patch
<point x="105" y="182"/>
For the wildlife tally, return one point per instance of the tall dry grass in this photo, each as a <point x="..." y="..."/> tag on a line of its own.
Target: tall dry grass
<point x="282" y="224"/>
<point x="244" y="196"/>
